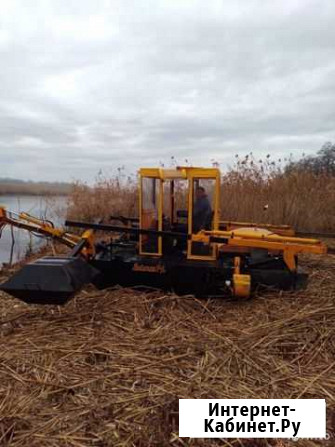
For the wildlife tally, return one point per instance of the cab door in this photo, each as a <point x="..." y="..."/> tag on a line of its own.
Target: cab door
<point x="203" y="214"/>
<point x="150" y="215"/>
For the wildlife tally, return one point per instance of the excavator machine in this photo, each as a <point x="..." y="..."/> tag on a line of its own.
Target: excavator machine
<point x="177" y="242"/>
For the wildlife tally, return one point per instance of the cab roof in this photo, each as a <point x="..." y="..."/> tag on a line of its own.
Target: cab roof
<point x="179" y="172"/>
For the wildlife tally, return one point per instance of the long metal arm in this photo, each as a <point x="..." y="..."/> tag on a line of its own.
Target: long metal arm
<point x="129" y="230"/>
<point x="37" y="226"/>
<point x="272" y="242"/>
<point x="81" y="244"/>
<point x="283" y="230"/>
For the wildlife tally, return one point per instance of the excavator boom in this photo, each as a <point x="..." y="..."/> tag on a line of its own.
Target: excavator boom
<point x="50" y="280"/>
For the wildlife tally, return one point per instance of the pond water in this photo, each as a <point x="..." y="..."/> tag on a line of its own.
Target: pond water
<point x="52" y="208"/>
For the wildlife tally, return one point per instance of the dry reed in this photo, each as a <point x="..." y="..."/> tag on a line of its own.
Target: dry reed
<point x="109" y="196"/>
<point x="108" y="368"/>
<point x="298" y="198"/>
<point x="301" y="199"/>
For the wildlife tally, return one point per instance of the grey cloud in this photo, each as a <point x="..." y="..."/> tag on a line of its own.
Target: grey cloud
<point x="89" y="85"/>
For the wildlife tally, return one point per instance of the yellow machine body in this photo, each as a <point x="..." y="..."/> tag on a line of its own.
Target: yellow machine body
<point x="168" y="245"/>
<point x="204" y="244"/>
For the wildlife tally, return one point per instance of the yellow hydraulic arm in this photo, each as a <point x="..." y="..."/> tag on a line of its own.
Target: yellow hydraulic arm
<point x="284" y="230"/>
<point x="47" y="229"/>
<point x="245" y="239"/>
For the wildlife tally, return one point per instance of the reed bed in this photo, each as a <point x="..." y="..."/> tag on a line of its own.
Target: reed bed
<point x="108" y="196"/>
<point x="108" y="368"/>
<point x="298" y="198"/>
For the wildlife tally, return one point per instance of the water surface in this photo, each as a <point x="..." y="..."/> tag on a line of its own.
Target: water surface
<point x="52" y="208"/>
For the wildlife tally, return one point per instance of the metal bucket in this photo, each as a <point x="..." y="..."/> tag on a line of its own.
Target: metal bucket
<point x="49" y="280"/>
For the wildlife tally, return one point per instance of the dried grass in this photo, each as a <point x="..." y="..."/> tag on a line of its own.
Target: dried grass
<point x="304" y="200"/>
<point x="109" y="196"/>
<point x="301" y="199"/>
<point x="108" y="368"/>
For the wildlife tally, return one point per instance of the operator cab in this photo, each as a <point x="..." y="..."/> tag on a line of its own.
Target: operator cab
<point x="181" y="200"/>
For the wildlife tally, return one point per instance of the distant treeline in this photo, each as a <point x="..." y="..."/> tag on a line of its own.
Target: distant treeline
<point x="321" y="163"/>
<point x="10" y="186"/>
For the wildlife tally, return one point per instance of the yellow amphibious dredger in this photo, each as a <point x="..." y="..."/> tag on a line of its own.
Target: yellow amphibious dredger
<point x="177" y="242"/>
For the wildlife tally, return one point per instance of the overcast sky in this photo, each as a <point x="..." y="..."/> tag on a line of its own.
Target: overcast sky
<point x="96" y="84"/>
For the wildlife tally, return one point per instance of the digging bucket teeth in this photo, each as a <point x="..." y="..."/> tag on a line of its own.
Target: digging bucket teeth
<point x="49" y="280"/>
